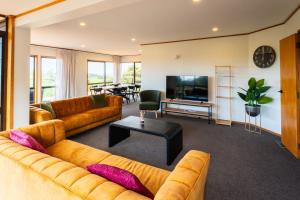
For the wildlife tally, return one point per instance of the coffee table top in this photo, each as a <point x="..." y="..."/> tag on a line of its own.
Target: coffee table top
<point x="150" y="126"/>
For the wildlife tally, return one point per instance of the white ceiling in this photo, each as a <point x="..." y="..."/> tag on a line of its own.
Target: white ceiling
<point x="14" y="7"/>
<point x="148" y="21"/>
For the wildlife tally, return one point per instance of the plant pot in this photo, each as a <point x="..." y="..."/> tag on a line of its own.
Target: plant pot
<point x="253" y="111"/>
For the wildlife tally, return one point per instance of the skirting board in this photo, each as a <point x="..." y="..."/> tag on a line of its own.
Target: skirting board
<point x="266" y="130"/>
<point x="233" y="122"/>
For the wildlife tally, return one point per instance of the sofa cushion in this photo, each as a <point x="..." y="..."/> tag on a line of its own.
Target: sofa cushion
<point x="94" y="115"/>
<point x="66" y="107"/>
<point x="150" y="176"/>
<point x="99" y="114"/>
<point x="83" y="155"/>
<point x="48" y="107"/>
<point x="149" y="105"/>
<point x="99" y="100"/>
<point x="76" y="153"/>
<point x="77" y="120"/>
<point x="121" y="177"/>
<point x="26" y="140"/>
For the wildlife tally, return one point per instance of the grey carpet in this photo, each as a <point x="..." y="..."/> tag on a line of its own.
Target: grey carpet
<point x="243" y="166"/>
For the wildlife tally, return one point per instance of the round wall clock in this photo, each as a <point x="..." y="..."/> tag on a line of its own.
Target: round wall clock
<point x="264" y="56"/>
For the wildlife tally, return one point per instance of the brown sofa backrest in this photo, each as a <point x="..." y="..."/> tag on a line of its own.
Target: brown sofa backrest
<point x="72" y="106"/>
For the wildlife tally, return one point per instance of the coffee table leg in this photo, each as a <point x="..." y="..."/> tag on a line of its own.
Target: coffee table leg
<point x="117" y="135"/>
<point x="174" y="146"/>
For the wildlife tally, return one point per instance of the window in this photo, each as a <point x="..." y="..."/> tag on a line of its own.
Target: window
<point x="138" y="71"/>
<point x="131" y="73"/>
<point x="32" y="67"/>
<point x="100" y="73"/>
<point x="48" y="78"/>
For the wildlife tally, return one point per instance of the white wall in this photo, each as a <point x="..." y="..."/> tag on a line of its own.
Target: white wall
<point x="136" y="58"/>
<point x="200" y="57"/>
<point x="21" y="77"/>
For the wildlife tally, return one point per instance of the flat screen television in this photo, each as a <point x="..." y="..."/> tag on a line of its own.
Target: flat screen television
<point x="187" y="87"/>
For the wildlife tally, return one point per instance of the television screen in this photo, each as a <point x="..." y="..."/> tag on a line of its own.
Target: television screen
<point x="187" y="87"/>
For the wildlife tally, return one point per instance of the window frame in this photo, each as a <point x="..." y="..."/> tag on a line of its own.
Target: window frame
<point x="3" y="92"/>
<point x="41" y="75"/>
<point x="105" y="83"/>
<point x="35" y="77"/>
<point x="134" y="71"/>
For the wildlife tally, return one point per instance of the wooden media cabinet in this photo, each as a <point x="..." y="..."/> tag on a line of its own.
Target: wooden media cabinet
<point x="165" y="109"/>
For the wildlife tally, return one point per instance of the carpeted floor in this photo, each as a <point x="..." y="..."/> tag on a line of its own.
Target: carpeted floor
<point x="243" y="167"/>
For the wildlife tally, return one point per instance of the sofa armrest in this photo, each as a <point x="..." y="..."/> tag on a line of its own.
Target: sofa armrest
<point x="114" y="101"/>
<point x="47" y="133"/>
<point x="39" y="115"/>
<point x="187" y="180"/>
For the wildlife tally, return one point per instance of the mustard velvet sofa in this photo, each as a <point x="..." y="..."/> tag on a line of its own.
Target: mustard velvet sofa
<point x="79" y="114"/>
<point x="30" y="175"/>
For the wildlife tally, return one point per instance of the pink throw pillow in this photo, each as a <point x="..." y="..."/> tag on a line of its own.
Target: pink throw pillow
<point x="121" y="177"/>
<point x="26" y="140"/>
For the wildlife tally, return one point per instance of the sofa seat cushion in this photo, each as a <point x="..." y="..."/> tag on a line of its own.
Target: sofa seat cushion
<point x="77" y="121"/>
<point x="76" y="153"/>
<point x="83" y="155"/>
<point x="88" y="117"/>
<point x="99" y="114"/>
<point x="149" y="105"/>
<point x="150" y="176"/>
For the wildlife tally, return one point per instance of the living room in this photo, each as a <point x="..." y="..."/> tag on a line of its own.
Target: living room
<point x="105" y="88"/>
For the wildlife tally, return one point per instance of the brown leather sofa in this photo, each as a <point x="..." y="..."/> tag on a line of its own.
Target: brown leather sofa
<point x="79" y="114"/>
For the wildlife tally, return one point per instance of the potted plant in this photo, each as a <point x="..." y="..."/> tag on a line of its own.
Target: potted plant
<point x="255" y="96"/>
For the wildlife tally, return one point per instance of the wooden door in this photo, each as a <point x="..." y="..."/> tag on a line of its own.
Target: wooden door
<point x="289" y="72"/>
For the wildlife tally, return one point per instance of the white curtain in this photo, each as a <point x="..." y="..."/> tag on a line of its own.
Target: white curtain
<point x="117" y="69"/>
<point x="65" y="71"/>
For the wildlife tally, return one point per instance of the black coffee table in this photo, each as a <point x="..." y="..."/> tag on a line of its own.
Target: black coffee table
<point x="172" y="132"/>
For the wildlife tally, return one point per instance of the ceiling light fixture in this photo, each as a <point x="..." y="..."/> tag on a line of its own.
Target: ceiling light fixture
<point x="133" y="39"/>
<point x="82" y="24"/>
<point x="196" y="1"/>
<point x="215" y="29"/>
<point x="82" y="46"/>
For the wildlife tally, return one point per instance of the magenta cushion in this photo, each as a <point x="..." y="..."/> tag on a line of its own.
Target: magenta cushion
<point x="26" y="140"/>
<point x="121" y="177"/>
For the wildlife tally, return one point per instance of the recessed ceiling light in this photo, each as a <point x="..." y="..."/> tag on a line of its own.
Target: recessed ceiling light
<point x="196" y="1"/>
<point x="215" y="29"/>
<point x="82" y="46"/>
<point x="133" y="39"/>
<point x="82" y="24"/>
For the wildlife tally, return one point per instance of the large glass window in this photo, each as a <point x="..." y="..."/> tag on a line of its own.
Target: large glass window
<point x="48" y="78"/>
<point x="32" y="67"/>
<point x="100" y="73"/>
<point x="131" y="73"/>
<point x="138" y="71"/>
<point x="127" y="73"/>
<point x="109" y="73"/>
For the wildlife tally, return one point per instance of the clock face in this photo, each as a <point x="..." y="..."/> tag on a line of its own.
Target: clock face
<point x="264" y="56"/>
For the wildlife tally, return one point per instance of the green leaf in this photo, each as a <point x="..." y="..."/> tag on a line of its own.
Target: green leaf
<point x="264" y="89"/>
<point x="243" y="89"/>
<point x="264" y="100"/>
<point x="243" y="96"/>
<point x="252" y="83"/>
<point x="260" y="83"/>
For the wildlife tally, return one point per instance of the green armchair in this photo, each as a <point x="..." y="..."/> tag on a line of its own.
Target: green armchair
<point x="150" y="101"/>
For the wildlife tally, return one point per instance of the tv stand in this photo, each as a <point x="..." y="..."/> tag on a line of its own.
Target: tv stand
<point x="165" y="109"/>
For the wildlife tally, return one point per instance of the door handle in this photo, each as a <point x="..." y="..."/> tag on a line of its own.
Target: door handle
<point x="280" y="91"/>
